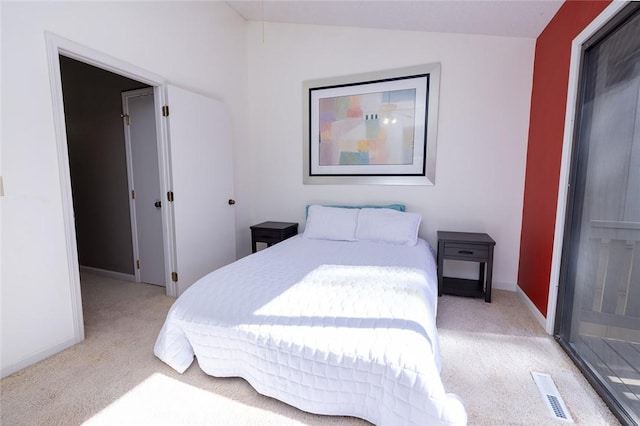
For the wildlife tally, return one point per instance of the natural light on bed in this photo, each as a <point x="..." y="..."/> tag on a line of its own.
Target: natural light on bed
<point x="327" y="282"/>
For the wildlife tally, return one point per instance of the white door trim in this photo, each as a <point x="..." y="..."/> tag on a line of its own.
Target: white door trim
<point x="57" y="46"/>
<point x="567" y="149"/>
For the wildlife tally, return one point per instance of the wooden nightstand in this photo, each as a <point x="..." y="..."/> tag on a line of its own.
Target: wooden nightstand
<point x="468" y="246"/>
<point x="272" y="233"/>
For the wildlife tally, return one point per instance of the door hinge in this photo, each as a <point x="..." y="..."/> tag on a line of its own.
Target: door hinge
<point x="174" y="277"/>
<point x="170" y="196"/>
<point x="138" y="264"/>
<point x="165" y="111"/>
<point x="133" y="194"/>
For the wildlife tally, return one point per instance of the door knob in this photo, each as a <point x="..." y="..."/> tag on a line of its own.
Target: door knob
<point x="232" y="202"/>
<point x="158" y="204"/>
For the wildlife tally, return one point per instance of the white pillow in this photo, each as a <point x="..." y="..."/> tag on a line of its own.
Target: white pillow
<point x="388" y="226"/>
<point x="331" y="223"/>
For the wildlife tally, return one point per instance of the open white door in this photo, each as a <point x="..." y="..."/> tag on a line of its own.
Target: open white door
<point x="144" y="185"/>
<point x="199" y="140"/>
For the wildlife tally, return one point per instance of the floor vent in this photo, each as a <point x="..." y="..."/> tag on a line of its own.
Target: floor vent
<point x="552" y="397"/>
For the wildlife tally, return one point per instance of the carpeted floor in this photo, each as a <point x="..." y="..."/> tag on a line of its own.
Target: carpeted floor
<point x="488" y="351"/>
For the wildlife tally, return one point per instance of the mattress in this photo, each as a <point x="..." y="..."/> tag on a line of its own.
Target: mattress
<point x="330" y="327"/>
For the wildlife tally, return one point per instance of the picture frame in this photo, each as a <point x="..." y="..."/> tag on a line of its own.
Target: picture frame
<point x="374" y="128"/>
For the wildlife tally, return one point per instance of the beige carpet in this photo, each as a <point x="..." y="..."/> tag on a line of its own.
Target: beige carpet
<point x="112" y="378"/>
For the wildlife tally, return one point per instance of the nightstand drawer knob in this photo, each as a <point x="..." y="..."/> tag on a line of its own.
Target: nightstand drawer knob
<point x="465" y="252"/>
<point x="232" y="202"/>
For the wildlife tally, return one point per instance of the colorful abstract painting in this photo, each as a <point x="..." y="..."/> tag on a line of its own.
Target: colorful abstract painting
<point x="380" y="130"/>
<point x="368" y="129"/>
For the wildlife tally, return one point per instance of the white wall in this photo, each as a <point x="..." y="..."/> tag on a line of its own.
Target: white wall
<point x="200" y="46"/>
<point x="484" y="109"/>
<point x="482" y="132"/>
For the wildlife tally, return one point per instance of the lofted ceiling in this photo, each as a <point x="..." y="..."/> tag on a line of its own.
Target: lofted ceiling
<point x="512" y="18"/>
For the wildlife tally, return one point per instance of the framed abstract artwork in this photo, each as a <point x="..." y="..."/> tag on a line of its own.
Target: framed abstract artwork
<point x="374" y="128"/>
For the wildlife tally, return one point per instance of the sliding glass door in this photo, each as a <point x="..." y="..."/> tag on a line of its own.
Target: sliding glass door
<point x="598" y="319"/>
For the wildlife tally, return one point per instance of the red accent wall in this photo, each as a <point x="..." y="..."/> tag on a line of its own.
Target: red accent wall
<point x="546" y="132"/>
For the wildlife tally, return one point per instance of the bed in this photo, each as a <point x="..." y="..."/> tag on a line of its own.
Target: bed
<point x="337" y="321"/>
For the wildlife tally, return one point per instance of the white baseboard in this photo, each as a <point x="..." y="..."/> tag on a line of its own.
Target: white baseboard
<point x="534" y="309"/>
<point x="496" y="285"/>
<point x="111" y="274"/>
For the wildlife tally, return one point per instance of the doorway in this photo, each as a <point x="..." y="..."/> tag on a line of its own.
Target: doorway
<point x="101" y="175"/>
<point x="598" y="312"/>
<point x="198" y="232"/>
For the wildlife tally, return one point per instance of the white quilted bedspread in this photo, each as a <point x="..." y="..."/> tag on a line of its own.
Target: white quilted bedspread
<point x="338" y="328"/>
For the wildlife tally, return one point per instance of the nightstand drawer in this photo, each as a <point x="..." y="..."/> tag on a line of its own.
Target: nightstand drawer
<point x="267" y="236"/>
<point x="477" y="252"/>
